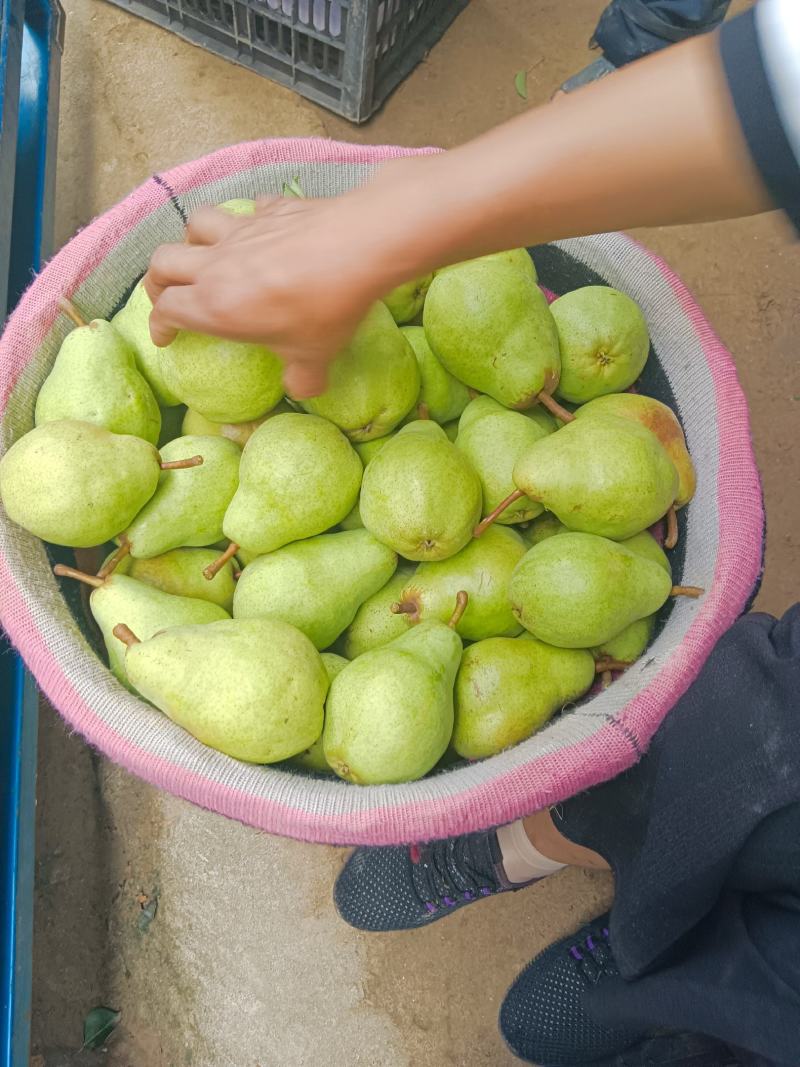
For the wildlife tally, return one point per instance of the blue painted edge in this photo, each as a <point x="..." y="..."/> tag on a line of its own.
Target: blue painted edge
<point x="31" y="35"/>
<point x="18" y="769"/>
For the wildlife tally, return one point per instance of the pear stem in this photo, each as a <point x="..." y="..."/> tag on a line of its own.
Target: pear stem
<point x="126" y="635"/>
<point x="71" y="572"/>
<point x="462" y="599"/>
<point x="473" y="393"/>
<point x="484" y="524"/>
<point x="406" y="607"/>
<point x="693" y="591"/>
<point x="423" y="411"/>
<point x="180" y="464"/>
<point x="671" y="538"/>
<point x="606" y="679"/>
<point x="114" y="561"/>
<point x="607" y="665"/>
<point x="210" y="572"/>
<point x="554" y="407"/>
<point x="71" y="311"/>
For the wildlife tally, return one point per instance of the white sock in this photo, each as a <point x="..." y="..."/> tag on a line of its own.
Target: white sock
<point x="521" y="860"/>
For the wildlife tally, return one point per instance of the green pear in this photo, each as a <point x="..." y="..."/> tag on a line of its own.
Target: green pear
<point x="643" y="543"/>
<point x="73" y="483"/>
<point x="405" y="302"/>
<point x="543" y="419"/>
<point x="352" y="520"/>
<point x="375" y="623"/>
<point x="508" y="688"/>
<point x="605" y="475"/>
<point x="519" y="258"/>
<point x="578" y="590"/>
<point x="188" y="506"/>
<point x="133" y="322"/>
<point x="373" y="383"/>
<point x="251" y="688"/>
<point x="631" y="642"/>
<point x="540" y="529"/>
<point x="242" y="555"/>
<point x="490" y="326"/>
<point x="238" y="206"/>
<point x="368" y="449"/>
<point x="238" y="432"/>
<point x="604" y="342"/>
<point x="389" y="714"/>
<point x="226" y="381"/>
<point x="122" y="599"/>
<point x="299" y="476"/>
<point x="313" y="758"/>
<point x="444" y="396"/>
<point x="420" y="495"/>
<point x="94" y="379"/>
<point x="661" y="421"/>
<point x="646" y="546"/>
<point x="492" y="438"/>
<point x="171" y="424"/>
<point x="180" y="572"/>
<point x="316" y="585"/>
<point x="483" y="569"/>
<point x="451" y="430"/>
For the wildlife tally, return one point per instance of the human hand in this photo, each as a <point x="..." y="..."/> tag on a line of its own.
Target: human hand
<point x="298" y="277"/>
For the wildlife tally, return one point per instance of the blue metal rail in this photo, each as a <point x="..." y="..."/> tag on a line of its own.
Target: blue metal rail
<point x="30" y="59"/>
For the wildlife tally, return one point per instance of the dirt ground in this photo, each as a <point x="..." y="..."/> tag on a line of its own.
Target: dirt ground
<point x="214" y="979"/>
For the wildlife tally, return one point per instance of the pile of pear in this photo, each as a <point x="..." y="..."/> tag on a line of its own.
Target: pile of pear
<point x="427" y="562"/>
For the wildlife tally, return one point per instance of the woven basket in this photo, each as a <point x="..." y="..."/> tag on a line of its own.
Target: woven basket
<point x="720" y="546"/>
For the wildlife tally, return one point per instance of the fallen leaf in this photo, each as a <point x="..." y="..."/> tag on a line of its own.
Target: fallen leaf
<point x="148" y="913"/>
<point x="294" y="188"/>
<point x="521" y="83"/>
<point x="98" y="1026"/>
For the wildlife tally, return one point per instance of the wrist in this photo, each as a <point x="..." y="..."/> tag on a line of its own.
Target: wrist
<point x="409" y="220"/>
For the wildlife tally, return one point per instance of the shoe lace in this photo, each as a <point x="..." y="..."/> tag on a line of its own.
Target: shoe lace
<point x="448" y="872"/>
<point x="593" y="956"/>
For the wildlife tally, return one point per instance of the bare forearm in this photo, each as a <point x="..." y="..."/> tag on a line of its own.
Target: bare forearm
<point x="655" y="144"/>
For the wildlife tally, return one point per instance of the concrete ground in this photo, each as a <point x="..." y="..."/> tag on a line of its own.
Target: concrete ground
<point x="244" y="963"/>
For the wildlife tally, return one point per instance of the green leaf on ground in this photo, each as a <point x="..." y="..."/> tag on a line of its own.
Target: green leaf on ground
<point x="294" y="188"/>
<point x="521" y="83"/>
<point x="148" y="913"/>
<point x="98" y="1026"/>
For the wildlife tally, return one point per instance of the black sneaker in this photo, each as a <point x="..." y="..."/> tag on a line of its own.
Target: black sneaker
<point x="403" y="888"/>
<point x="543" y="1019"/>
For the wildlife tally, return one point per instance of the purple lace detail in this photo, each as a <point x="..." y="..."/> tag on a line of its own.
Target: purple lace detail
<point x="431" y="907"/>
<point x="448" y="901"/>
<point x="606" y="933"/>
<point x="590" y="943"/>
<point x="575" y="953"/>
<point x="485" y="891"/>
<point x="469" y="895"/>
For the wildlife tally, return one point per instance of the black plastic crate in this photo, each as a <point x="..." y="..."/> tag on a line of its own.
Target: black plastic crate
<point x="347" y="55"/>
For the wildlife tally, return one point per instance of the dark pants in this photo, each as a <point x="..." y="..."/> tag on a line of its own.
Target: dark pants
<point x="703" y="836"/>
<point x="630" y="29"/>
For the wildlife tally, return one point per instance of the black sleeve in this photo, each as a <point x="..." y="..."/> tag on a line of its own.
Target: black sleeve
<point x="759" y="111"/>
